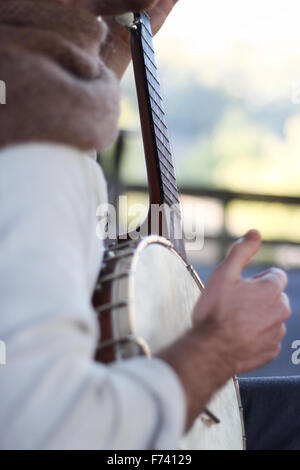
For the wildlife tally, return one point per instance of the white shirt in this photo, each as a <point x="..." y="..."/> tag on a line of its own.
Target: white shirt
<point x="52" y="393"/>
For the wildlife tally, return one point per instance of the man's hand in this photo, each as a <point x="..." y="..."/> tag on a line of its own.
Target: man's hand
<point x="247" y="314"/>
<point x="238" y="327"/>
<point x="116" y="51"/>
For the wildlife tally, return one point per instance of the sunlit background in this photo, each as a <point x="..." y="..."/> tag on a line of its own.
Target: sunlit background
<point x="230" y="73"/>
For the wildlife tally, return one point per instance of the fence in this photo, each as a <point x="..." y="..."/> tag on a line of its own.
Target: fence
<point x="224" y="197"/>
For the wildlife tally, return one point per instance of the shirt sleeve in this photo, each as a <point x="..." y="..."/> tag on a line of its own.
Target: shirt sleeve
<point x="53" y="394"/>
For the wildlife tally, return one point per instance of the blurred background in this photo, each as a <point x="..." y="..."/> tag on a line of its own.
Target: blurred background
<point x="230" y="75"/>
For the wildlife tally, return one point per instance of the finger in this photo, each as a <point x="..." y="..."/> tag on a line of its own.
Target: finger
<point x="268" y="348"/>
<point x="159" y="14"/>
<point x="162" y="6"/>
<point x="283" y="331"/>
<point x="278" y="333"/>
<point x="259" y="360"/>
<point x="286" y="302"/>
<point x="274" y="280"/>
<point x="241" y="252"/>
<point x="285" y="306"/>
<point x="279" y="314"/>
<point x="259" y="275"/>
<point x="272" y="338"/>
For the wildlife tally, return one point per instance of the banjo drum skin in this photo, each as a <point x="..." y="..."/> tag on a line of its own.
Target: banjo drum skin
<point x="150" y="294"/>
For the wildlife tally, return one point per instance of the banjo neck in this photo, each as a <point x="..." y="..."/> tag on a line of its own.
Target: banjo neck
<point x="162" y="183"/>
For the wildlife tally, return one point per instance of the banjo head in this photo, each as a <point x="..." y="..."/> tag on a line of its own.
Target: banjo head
<point x="156" y="300"/>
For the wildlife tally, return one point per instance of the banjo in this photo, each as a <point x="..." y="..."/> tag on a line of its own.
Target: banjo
<point x="146" y="290"/>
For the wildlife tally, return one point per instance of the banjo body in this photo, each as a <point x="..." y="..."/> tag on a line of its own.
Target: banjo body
<point x="145" y="297"/>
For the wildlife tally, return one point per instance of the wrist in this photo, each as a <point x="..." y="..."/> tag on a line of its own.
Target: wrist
<point x="199" y="360"/>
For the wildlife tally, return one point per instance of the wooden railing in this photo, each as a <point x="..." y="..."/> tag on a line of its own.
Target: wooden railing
<point x="225" y="197"/>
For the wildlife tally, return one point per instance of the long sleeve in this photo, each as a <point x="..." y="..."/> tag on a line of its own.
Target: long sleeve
<point x="52" y="393"/>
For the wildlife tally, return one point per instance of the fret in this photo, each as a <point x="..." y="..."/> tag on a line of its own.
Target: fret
<point x="148" y="52"/>
<point x="153" y="87"/>
<point x="166" y="199"/>
<point x="147" y="35"/>
<point x="168" y="168"/>
<point x="151" y="65"/>
<point x="171" y="198"/>
<point x="162" y="133"/>
<point x="158" y="121"/>
<point x="147" y="24"/>
<point x="151" y="78"/>
<point x="159" y="129"/>
<point x="158" y="105"/>
<point x="170" y="184"/>
<point x="157" y="110"/>
<point x="166" y="160"/>
<point x="163" y="140"/>
<point x="166" y="164"/>
<point x="160" y="125"/>
<point x="150" y="69"/>
<point x="169" y="177"/>
<point x="164" y="149"/>
<point x="157" y="94"/>
<point x="158" y="117"/>
<point x="153" y="71"/>
<point x="148" y="44"/>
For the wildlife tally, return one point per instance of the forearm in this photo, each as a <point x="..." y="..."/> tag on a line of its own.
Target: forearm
<point x="200" y="361"/>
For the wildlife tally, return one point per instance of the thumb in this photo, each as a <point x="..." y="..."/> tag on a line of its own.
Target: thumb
<point x="241" y="252"/>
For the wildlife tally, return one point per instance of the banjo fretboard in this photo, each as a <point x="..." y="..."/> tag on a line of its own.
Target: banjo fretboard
<point x="159" y="160"/>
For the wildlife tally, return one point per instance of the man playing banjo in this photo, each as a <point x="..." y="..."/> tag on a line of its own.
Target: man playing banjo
<point x="63" y="102"/>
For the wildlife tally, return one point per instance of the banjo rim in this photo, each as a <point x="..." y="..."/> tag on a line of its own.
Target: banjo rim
<point x="129" y="252"/>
